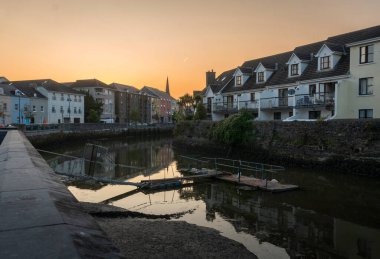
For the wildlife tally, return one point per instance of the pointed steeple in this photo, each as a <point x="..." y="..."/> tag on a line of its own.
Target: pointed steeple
<point x="167" y="86"/>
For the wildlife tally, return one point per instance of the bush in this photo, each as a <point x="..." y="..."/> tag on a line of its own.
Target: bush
<point x="201" y="112"/>
<point x="234" y="130"/>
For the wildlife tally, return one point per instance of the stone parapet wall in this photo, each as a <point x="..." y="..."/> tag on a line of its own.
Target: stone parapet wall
<point x="39" y="217"/>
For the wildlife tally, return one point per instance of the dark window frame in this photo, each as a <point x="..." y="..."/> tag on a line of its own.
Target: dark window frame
<point x="325" y="63"/>
<point x="364" y="113"/>
<point x="238" y="80"/>
<point x="366" y="55"/>
<point x="253" y="97"/>
<point x="277" y="116"/>
<point x="314" y="115"/>
<point x="260" y="77"/>
<point x="365" y="88"/>
<point x="294" y="69"/>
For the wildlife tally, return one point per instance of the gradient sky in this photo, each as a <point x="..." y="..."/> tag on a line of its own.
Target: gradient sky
<point x="141" y="42"/>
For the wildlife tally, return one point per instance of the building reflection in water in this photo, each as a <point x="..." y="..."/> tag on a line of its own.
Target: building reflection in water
<point x="303" y="233"/>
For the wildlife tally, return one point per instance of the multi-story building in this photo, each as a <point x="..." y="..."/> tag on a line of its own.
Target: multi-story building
<point x="162" y="110"/>
<point x="131" y="105"/>
<point x="5" y="105"/>
<point x="64" y="105"/>
<point x="337" y="78"/>
<point x="101" y="92"/>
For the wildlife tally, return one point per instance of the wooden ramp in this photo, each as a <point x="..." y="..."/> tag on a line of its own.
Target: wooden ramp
<point x="258" y="183"/>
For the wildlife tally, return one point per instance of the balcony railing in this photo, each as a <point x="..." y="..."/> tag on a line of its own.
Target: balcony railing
<point x="248" y="105"/>
<point x="225" y="107"/>
<point x="276" y="103"/>
<point x="315" y="100"/>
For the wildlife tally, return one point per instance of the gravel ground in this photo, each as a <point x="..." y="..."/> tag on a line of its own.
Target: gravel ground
<point x="138" y="236"/>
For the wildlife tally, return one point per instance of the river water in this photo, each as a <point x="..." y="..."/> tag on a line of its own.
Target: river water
<point x="331" y="216"/>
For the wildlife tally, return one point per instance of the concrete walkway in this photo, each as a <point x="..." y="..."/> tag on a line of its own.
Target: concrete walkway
<point x="39" y="217"/>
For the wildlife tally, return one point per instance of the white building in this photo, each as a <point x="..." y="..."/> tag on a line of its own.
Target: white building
<point x="64" y="105"/>
<point x="333" y="79"/>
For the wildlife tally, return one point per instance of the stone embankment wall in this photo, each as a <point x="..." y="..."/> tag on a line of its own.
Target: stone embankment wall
<point x="352" y="145"/>
<point x="39" y="217"/>
<point x="84" y="132"/>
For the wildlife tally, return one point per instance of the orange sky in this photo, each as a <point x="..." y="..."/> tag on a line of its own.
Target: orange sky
<point x="140" y="42"/>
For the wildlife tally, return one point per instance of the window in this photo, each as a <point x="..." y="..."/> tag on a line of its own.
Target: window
<point x="79" y="99"/>
<point x="294" y="70"/>
<point x="25" y="108"/>
<point x="366" y="114"/>
<point x="75" y="109"/>
<point x="41" y="109"/>
<point x="365" y="86"/>
<point x="277" y="115"/>
<point x="312" y="90"/>
<point x="366" y="54"/>
<point x="16" y="107"/>
<point x="54" y="97"/>
<point x="260" y="77"/>
<point x="68" y="98"/>
<point x="62" y="98"/>
<point x="253" y="98"/>
<point x="325" y="62"/>
<point x="75" y="98"/>
<point x="4" y="107"/>
<point x="79" y="111"/>
<point x="313" y="115"/>
<point x="238" y="80"/>
<point x="34" y="108"/>
<point x="61" y="109"/>
<point x="68" y="110"/>
<point x="53" y="109"/>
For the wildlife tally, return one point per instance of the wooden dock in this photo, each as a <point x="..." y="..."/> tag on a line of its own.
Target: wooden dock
<point x="271" y="186"/>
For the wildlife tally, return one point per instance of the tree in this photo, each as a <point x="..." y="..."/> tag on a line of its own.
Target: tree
<point x="200" y="112"/>
<point x="179" y="115"/>
<point x="134" y="116"/>
<point x="92" y="108"/>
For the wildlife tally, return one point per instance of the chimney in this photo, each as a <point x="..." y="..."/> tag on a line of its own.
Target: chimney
<point x="210" y="77"/>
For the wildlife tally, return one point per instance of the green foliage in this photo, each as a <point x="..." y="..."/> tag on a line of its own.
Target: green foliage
<point x="236" y="129"/>
<point x="93" y="116"/>
<point x="179" y="115"/>
<point x="201" y="112"/>
<point x="134" y="116"/>
<point x="92" y="108"/>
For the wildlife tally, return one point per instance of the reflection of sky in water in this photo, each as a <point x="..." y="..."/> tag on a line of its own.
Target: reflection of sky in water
<point x="316" y="222"/>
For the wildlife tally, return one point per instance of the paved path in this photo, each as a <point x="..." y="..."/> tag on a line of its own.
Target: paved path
<point x="39" y="217"/>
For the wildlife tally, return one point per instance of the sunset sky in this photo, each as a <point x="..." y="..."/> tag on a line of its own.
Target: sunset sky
<point x="141" y="42"/>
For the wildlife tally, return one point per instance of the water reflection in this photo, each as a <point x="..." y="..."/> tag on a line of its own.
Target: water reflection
<point x="334" y="216"/>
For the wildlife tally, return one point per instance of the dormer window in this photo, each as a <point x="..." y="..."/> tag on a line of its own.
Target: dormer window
<point x="294" y="70"/>
<point x="260" y="77"/>
<point x="325" y="62"/>
<point x="366" y="54"/>
<point x="238" y="80"/>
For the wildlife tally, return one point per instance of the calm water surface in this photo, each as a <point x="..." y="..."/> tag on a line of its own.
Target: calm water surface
<point x="332" y="216"/>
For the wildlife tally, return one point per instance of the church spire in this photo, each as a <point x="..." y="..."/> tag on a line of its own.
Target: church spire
<point x="167" y="86"/>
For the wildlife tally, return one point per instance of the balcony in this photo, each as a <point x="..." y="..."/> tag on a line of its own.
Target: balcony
<point x="249" y="105"/>
<point x="315" y="100"/>
<point x="225" y="107"/>
<point x="276" y="103"/>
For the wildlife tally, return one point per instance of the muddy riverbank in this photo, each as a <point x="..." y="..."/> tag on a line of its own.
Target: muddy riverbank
<point x="138" y="235"/>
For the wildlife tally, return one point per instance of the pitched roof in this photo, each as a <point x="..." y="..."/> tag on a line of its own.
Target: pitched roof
<point x="157" y="93"/>
<point x="355" y="36"/>
<point x="48" y="84"/>
<point x="246" y="70"/>
<point x="125" y="88"/>
<point x="306" y="53"/>
<point x="85" y="83"/>
<point x="30" y="92"/>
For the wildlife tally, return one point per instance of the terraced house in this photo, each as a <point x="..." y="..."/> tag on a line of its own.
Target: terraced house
<point x="338" y="78"/>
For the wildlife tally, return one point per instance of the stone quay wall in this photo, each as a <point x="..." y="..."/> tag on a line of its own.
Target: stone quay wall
<point x="39" y="217"/>
<point x="352" y="145"/>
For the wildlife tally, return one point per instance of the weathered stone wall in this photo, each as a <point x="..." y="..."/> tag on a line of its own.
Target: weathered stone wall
<point x="339" y="143"/>
<point x="39" y="217"/>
